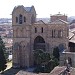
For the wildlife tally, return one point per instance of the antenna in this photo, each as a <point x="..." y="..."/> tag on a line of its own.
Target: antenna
<point x="58" y="12"/>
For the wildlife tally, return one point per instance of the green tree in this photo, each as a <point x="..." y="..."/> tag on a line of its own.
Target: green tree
<point x="2" y="56"/>
<point x="45" y="63"/>
<point x="41" y="58"/>
<point x="37" y="56"/>
<point x="51" y="64"/>
<point x="56" y="53"/>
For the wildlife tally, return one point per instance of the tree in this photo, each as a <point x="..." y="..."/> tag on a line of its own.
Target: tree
<point x="37" y="56"/>
<point x="44" y="62"/>
<point x="2" y="56"/>
<point x="56" y="53"/>
<point x="41" y="58"/>
<point x="51" y="64"/>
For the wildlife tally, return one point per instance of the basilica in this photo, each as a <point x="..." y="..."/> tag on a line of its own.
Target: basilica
<point x="30" y="34"/>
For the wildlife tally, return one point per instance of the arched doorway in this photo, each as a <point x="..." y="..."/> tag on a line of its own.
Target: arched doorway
<point x="39" y="43"/>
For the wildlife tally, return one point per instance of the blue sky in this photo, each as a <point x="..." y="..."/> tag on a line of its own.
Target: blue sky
<point x="43" y="7"/>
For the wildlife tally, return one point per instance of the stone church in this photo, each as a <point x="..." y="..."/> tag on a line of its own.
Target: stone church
<point x="30" y="34"/>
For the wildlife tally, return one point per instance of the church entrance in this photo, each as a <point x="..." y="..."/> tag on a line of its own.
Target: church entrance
<point x="39" y="43"/>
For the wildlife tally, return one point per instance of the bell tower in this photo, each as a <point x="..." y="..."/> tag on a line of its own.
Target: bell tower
<point x="22" y="19"/>
<point x="23" y="15"/>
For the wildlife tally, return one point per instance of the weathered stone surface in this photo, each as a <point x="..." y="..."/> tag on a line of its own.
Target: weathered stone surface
<point x="53" y="34"/>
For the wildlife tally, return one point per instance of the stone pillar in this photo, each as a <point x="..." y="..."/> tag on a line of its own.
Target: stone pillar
<point x="16" y="57"/>
<point x="31" y="55"/>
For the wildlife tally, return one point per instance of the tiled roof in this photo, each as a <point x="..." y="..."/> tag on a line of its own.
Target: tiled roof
<point x="30" y="73"/>
<point x="72" y="39"/>
<point x="28" y="9"/>
<point x="72" y="30"/>
<point x="40" y="22"/>
<point x="57" y="70"/>
<point x="71" y="35"/>
<point x="58" y="14"/>
<point x="73" y="21"/>
<point x="59" y="21"/>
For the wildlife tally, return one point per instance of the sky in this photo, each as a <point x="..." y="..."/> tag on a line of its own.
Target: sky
<point x="44" y="8"/>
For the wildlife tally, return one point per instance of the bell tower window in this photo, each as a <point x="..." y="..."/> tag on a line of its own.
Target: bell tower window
<point x="20" y="19"/>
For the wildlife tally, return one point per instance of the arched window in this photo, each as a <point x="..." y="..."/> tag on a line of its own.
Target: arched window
<point x="35" y="30"/>
<point x="42" y="30"/>
<point x="32" y="19"/>
<point x="16" y="19"/>
<point x="20" y="19"/>
<point x="53" y="33"/>
<point x="24" y="19"/>
<point x="39" y="43"/>
<point x="60" y="33"/>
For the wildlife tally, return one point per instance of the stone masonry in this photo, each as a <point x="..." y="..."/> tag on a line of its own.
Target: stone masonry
<point x="29" y="35"/>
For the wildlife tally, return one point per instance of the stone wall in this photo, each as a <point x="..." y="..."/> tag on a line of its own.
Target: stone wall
<point x="24" y="35"/>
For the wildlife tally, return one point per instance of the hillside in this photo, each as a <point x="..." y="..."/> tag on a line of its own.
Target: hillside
<point x="46" y="20"/>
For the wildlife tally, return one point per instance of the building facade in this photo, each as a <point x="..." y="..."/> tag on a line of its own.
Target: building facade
<point x="29" y="35"/>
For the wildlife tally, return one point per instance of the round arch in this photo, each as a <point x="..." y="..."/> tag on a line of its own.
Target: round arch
<point x="39" y="43"/>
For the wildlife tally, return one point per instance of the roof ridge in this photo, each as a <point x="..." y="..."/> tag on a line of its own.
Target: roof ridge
<point x="28" y="9"/>
<point x="71" y="37"/>
<point x="59" y="20"/>
<point x="40" y="21"/>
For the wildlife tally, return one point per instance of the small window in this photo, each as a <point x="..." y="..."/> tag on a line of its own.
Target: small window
<point x="42" y="30"/>
<point x="16" y="19"/>
<point x="60" y="33"/>
<point x="53" y="33"/>
<point x="35" y="30"/>
<point x="20" y="19"/>
<point x="24" y="19"/>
